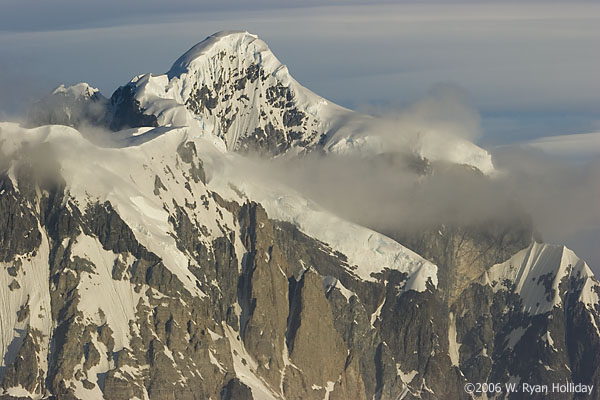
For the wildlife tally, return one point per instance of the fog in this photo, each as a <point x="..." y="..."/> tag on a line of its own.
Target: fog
<point x="394" y="190"/>
<point x="389" y="193"/>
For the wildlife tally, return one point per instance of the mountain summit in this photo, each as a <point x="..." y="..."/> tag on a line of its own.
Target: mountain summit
<point x="233" y="86"/>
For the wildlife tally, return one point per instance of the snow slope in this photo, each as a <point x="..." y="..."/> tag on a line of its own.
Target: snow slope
<point x="125" y="177"/>
<point x="33" y="295"/>
<point x="215" y="64"/>
<point x="536" y="273"/>
<point x="239" y="72"/>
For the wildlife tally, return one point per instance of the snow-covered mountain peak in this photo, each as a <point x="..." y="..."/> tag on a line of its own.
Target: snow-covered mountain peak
<point x="541" y="273"/>
<point x="69" y="105"/>
<point x="233" y="87"/>
<point x="79" y="90"/>
<point x="231" y="42"/>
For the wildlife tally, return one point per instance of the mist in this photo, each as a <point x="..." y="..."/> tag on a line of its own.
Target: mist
<point x="412" y="179"/>
<point x="394" y="190"/>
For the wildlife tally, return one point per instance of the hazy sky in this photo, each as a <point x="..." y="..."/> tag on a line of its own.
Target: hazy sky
<point x="530" y="69"/>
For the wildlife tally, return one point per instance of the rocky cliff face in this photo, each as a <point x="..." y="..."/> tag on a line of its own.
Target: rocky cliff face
<point x="155" y="270"/>
<point x="233" y="304"/>
<point x="262" y="312"/>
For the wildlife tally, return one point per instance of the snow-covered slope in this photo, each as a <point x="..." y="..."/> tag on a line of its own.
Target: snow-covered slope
<point x="126" y="176"/>
<point x="541" y="273"/>
<point x="232" y="86"/>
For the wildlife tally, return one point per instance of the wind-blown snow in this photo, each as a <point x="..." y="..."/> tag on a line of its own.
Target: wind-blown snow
<point x="364" y="135"/>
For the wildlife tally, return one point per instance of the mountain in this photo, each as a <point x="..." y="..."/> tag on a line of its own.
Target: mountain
<point x="73" y="106"/>
<point x="232" y="86"/>
<point x="154" y="264"/>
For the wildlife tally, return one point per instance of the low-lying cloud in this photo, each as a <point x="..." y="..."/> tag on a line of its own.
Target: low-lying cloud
<point x="394" y="190"/>
<point x="389" y="193"/>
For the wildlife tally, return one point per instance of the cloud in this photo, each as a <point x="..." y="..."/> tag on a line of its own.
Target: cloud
<point x="561" y="196"/>
<point x="445" y="109"/>
<point x="388" y="192"/>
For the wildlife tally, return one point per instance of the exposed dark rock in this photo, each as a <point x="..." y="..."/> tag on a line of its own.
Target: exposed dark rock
<point x="23" y="312"/>
<point x="262" y="293"/>
<point x="236" y="390"/>
<point x="463" y="253"/>
<point x="189" y="155"/>
<point x="19" y="234"/>
<point x="26" y="370"/>
<point x="201" y="99"/>
<point x="279" y="96"/>
<point x="102" y="221"/>
<point x="158" y="185"/>
<point x="292" y="117"/>
<point x="126" y="110"/>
